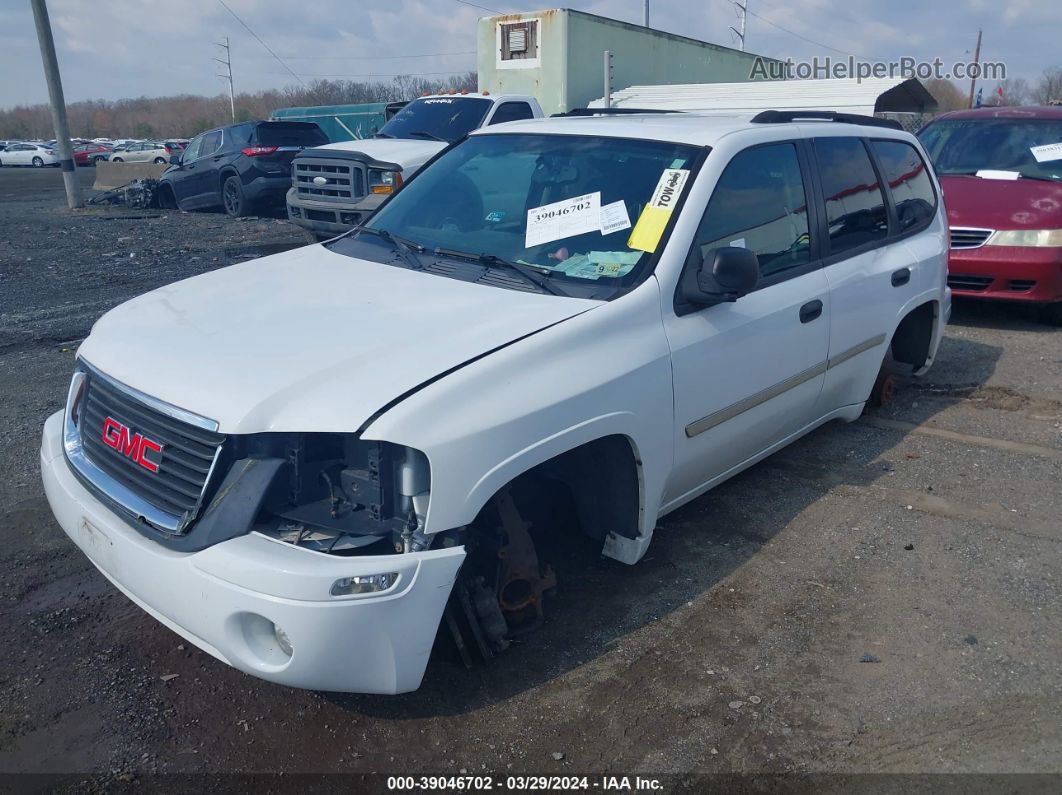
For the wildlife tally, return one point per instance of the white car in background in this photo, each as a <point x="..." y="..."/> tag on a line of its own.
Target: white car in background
<point x="143" y="152"/>
<point x="23" y="154"/>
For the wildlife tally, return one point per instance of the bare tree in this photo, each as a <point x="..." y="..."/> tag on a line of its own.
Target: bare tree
<point x="1049" y="87"/>
<point x="1015" y="92"/>
<point x="947" y="94"/>
<point x="185" y="115"/>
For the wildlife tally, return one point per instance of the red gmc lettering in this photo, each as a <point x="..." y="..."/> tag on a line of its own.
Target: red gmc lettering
<point x="131" y="445"/>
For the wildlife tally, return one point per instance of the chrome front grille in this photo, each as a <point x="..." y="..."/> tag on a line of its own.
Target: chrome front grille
<point x="150" y="460"/>
<point x="969" y="237"/>
<point x="328" y="179"/>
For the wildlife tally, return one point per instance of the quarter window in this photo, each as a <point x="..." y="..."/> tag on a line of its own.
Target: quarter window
<point x="855" y="205"/>
<point x="759" y="203"/>
<point x="909" y="183"/>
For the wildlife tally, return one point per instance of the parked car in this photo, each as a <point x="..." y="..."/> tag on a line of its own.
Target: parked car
<point x="1001" y="171"/>
<point x="25" y="154"/>
<point x="144" y="152"/>
<point x="336" y="187"/>
<point x="237" y="167"/>
<point x="294" y="462"/>
<point x="89" y="154"/>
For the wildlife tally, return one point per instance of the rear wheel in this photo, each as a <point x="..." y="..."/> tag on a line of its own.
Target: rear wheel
<point x="38" y="162"/>
<point x="232" y="197"/>
<point x="887" y="382"/>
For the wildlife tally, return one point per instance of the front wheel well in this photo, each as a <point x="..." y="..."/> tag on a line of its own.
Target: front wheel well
<point x="913" y="339"/>
<point x="602" y="478"/>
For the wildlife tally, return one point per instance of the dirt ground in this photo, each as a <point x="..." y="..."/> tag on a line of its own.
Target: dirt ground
<point x="925" y="538"/>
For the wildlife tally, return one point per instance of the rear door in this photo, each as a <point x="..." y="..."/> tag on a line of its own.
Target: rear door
<point x="870" y="271"/>
<point x="747" y="374"/>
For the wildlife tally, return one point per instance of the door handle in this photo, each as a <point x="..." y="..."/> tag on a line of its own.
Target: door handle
<point x="810" y="311"/>
<point x="901" y="277"/>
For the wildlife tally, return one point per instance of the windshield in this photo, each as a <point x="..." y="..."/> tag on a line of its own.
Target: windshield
<point x="437" y="119"/>
<point x="966" y="146"/>
<point x="564" y="207"/>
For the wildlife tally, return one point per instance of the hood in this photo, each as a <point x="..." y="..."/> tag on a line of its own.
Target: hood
<point x="308" y="340"/>
<point x="403" y="151"/>
<point x="1002" y="203"/>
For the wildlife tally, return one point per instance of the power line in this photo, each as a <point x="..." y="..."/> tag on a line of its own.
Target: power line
<point x="805" y="38"/>
<point x="260" y="41"/>
<point x="483" y="8"/>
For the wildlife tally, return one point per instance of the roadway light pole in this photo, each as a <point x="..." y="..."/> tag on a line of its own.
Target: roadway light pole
<point x="55" y="94"/>
<point x="973" y="78"/>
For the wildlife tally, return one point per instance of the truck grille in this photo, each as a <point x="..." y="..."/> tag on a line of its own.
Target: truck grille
<point x="343" y="180"/>
<point x="967" y="237"/>
<point x="169" y="497"/>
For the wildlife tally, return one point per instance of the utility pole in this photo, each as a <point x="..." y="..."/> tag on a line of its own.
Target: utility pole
<point x="608" y="79"/>
<point x="55" y="94"/>
<point x="973" y="77"/>
<point x="743" y="12"/>
<point x="227" y="63"/>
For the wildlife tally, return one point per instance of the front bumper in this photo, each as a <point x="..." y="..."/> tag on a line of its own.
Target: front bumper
<point x="330" y="218"/>
<point x="1010" y="273"/>
<point x="227" y="598"/>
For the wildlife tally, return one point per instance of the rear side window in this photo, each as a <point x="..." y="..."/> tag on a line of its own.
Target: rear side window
<point x="211" y="142"/>
<point x="290" y="134"/>
<point x="759" y="204"/>
<point x="909" y="183"/>
<point x="511" y="111"/>
<point x="855" y="205"/>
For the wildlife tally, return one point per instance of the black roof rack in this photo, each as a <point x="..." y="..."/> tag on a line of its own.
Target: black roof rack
<point x="781" y="116"/>
<point x="610" y="111"/>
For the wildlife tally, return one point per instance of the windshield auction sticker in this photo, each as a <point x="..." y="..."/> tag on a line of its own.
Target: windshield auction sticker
<point x="563" y="219"/>
<point x="1046" y="152"/>
<point x="654" y="217"/>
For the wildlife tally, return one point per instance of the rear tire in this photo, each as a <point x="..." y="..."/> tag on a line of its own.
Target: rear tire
<point x="38" y="162"/>
<point x="235" y="203"/>
<point x="887" y="382"/>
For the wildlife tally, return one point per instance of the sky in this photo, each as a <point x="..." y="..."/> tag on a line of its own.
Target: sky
<point x="113" y="49"/>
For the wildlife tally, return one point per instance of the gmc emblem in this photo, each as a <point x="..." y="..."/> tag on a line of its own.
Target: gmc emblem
<point x="132" y="445"/>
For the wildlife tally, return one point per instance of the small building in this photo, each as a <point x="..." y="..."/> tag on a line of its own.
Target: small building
<point x="557" y="56"/>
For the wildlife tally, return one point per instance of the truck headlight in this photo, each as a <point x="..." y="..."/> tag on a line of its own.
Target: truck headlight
<point x="384" y="181"/>
<point x="1037" y="238"/>
<point x="370" y="583"/>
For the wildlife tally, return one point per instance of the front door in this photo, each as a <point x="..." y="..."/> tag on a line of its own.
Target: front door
<point x="747" y="374"/>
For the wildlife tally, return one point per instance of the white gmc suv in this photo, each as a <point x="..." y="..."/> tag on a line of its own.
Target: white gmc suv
<point x="302" y="463"/>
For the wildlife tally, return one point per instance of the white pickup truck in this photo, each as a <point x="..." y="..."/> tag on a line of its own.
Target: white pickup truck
<point x="337" y="186"/>
<point x="299" y="462"/>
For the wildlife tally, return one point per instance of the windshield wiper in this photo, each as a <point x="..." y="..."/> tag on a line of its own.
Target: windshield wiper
<point x="427" y="134"/>
<point x="494" y="261"/>
<point x="407" y="249"/>
<point x="1037" y="176"/>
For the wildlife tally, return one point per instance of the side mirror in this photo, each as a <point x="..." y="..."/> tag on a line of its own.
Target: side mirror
<point x="175" y="160"/>
<point x="723" y="274"/>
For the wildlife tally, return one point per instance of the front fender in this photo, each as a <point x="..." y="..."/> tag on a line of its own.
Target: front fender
<point x="601" y="373"/>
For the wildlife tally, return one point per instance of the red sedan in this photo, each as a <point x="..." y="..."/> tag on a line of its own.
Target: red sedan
<point x="86" y="154"/>
<point x="1001" y="173"/>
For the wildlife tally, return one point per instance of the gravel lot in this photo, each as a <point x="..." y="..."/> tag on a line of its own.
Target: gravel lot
<point x="926" y="535"/>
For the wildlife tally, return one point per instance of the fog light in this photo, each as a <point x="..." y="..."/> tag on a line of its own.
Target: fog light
<point x="350" y="218"/>
<point x="282" y="640"/>
<point x="370" y="583"/>
<point x="295" y="212"/>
